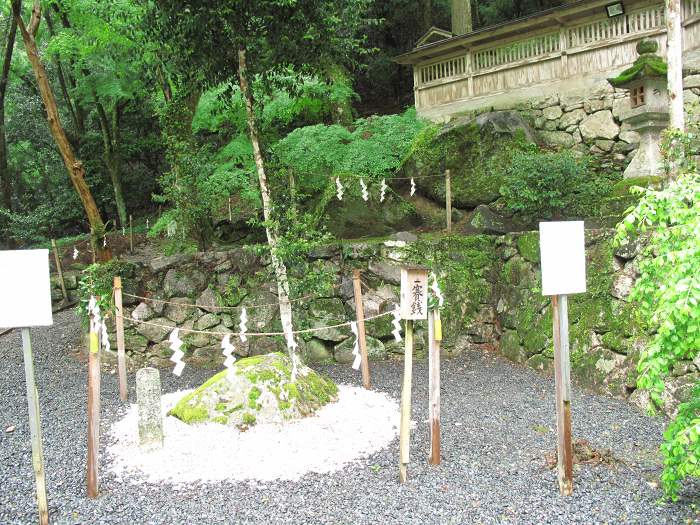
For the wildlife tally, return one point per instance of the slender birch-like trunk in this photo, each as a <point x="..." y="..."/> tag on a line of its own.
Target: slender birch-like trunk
<point x="272" y="234"/>
<point x="674" y="57"/>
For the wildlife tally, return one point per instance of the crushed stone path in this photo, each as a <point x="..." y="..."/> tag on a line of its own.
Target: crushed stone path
<point x="498" y="426"/>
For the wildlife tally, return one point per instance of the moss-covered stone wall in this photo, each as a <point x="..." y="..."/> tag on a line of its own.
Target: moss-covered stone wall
<point x="493" y="303"/>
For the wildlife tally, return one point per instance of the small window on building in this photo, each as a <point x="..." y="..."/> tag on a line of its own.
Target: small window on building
<point x="637" y="97"/>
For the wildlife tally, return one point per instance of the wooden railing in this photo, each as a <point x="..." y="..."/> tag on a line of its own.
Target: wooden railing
<point x="544" y="57"/>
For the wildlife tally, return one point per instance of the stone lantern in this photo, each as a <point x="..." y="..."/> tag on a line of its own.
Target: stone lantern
<point x="648" y="113"/>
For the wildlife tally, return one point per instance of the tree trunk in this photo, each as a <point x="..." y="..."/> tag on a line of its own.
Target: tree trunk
<point x="5" y="175"/>
<point x="110" y="139"/>
<point x="77" y="122"/>
<point x="74" y="166"/>
<point x="674" y="50"/>
<point x="270" y="230"/>
<point x="461" y="17"/>
<point x="426" y="13"/>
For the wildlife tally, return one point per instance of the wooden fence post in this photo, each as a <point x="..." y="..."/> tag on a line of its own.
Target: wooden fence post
<point x="360" y="311"/>
<point x="121" y="352"/>
<point x="448" y="201"/>
<point x="131" y="234"/>
<point x="59" y="269"/>
<point x="405" y="429"/>
<point x="93" y="406"/>
<point x="434" y="336"/>
<point x="565" y="465"/>
<point x="35" y="428"/>
<point x="93" y="248"/>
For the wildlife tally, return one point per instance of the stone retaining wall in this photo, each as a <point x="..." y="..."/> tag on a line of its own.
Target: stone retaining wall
<point x="492" y="289"/>
<point x="592" y="124"/>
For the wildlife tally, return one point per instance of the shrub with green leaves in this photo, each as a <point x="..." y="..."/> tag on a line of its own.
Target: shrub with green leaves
<point x="667" y="295"/>
<point x="98" y="281"/>
<point x="541" y="185"/>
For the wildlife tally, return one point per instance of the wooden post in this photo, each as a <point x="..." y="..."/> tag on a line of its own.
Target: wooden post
<point x="131" y="234"/>
<point x="435" y="337"/>
<point x="35" y="427"/>
<point x="565" y="460"/>
<point x="59" y="269"/>
<point x="93" y="406"/>
<point x="405" y="429"/>
<point x="230" y="213"/>
<point x="92" y="246"/>
<point x="448" y="201"/>
<point x="121" y="352"/>
<point x="360" y="311"/>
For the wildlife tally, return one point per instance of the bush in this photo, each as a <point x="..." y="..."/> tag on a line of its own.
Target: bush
<point x="542" y="185"/>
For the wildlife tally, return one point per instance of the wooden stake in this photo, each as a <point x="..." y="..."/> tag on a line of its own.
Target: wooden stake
<point x="59" y="269"/>
<point x="93" y="404"/>
<point x="405" y="430"/>
<point x="448" y="201"/>
<point x="35" y="428"/>
<point x="360" y="311"/>
<point x="131" y="234"/>
<point x="230" y="213"/>
<point x="92" y="246"/>
<point x="435" y="337"/>
<point x="121" y="352"/>
<point x="565" y="453"/>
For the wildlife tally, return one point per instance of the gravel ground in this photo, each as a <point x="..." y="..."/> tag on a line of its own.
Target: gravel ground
<point x="497" y="426"/>
<point x="359" y="424"/>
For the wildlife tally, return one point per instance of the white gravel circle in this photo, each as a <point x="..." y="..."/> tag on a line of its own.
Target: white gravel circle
<point x="360" y="423"/>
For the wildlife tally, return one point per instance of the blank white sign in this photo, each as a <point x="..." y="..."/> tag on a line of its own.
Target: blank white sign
<point x="25" y="289"/>
<point x="563" y="256"/>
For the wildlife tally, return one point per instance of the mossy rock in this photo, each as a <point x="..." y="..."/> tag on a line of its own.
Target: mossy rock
<point x="473" y="150"/>
<point x="529" y="246"/>
<point x="624" y="187"/>
<point x="258" y="390"/>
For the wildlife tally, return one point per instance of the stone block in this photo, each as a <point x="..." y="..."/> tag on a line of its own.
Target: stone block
<point x="179" y="310"/>
<point x="600" y="125"/>
<point x="552" y="112"/>
<point x="148" y="399"/>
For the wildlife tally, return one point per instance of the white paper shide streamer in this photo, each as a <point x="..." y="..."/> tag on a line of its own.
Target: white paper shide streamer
<point x="365" y="193"/>
<point x="396" y="332"/>
<point x="243" y="326"/>
<point x="413" y="187"/>
<point x="104" y="241"/>
<point x="339" y="186"/>
<point x="176" y="345"/>
<point x="97" y="323"/>
<point x="228" y="350"/>
<point x="75" y="252"/>
<point x="383" y="189"/>
<point x="356" y="349"/>
<point x="435" y="287"/>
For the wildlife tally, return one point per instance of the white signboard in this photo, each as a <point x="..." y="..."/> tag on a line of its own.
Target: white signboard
<point x="25" y="289"/>
<point x="414" y="293"/>
<point x="563" y="257"/>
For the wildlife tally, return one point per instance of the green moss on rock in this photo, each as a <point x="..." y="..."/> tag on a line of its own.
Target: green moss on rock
<point x="263" y="386"/>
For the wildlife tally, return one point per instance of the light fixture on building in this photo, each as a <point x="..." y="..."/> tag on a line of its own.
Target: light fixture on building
<point x="615" y="9"/>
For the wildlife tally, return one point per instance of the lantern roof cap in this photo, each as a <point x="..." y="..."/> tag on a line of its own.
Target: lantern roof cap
<point x="648" y="65"/>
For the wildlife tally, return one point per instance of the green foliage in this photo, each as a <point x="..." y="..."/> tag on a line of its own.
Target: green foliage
<point x="541" y="185"/>
<point x="299" y="234"/>
<point x="98" y="281"/>
<point x="667" y="295"/>
<point x="375" y="148"/>
<point x="681" y="447"/>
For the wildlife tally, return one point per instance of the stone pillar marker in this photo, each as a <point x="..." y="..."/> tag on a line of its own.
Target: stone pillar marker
<point x="149" y="407"/>
<point x="648" y="114"/>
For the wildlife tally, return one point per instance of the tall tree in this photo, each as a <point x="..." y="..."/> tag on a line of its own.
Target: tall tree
<point x="5" y="175"/>
<point x="462" y="17"/>
<point x="210" y="43"/>
<point x="674" y="56"/>
<point x="75" y="168"/>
